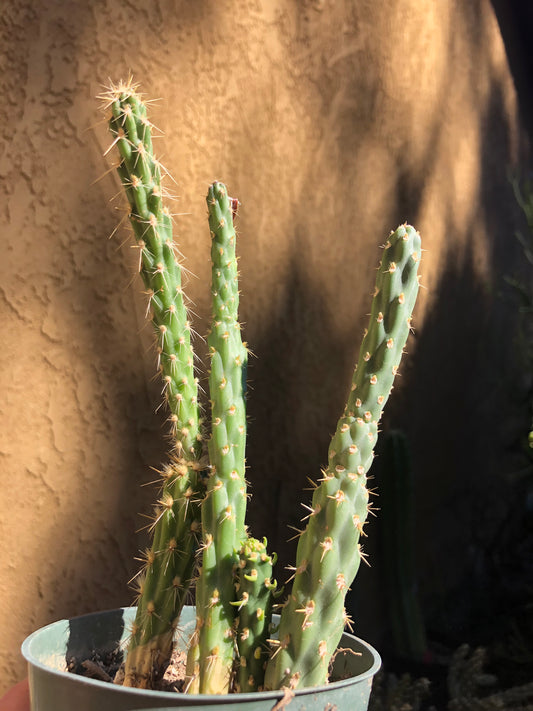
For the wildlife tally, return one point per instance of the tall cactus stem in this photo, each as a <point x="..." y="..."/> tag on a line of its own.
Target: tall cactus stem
<point x="169" y="564"/>
<point x="224" y="507"/>
<point x="329" y="553"/>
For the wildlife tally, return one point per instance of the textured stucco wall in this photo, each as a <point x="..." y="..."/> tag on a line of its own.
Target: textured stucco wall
<point x="332" y="122"/>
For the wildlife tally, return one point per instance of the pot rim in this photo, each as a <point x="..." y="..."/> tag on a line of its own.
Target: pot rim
<point x="246" y="696"/>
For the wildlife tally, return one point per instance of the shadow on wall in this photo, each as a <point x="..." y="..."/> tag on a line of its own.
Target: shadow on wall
<point x="473" y="525"/>
<point x="461" y="406"/>
<point x="449" y="422"/>
<point x="293" y="407"/>
<point x="456" y="389"/>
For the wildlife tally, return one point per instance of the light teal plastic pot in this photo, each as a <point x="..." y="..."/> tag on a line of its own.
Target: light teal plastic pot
<point x="54" y="689"/>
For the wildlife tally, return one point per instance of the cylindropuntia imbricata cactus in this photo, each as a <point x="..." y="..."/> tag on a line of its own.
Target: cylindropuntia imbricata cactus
<point x="200" y="516"/>
<point x="224" y="506"/>
<point x="170" y="562"/>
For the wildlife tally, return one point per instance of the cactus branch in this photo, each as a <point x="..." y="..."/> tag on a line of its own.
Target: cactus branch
<point x="329" y="553"/>
<point x="256" y="590"/>
<point x="170" y="562"/>
<point x="223" y="510"/>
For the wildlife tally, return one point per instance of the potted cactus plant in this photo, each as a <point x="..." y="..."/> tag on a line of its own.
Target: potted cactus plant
<point x="237" y="651"/>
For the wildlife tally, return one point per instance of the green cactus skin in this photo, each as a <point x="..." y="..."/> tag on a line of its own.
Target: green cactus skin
<point x="169" y="564"/>
<point x="224" y="507"/>
<point x="329" y="553"/>
<point x="256" y="591"/>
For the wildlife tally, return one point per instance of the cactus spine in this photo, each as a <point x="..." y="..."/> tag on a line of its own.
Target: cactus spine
<point x="169" y="564"/>
<point x="329" y="553"/>
<point x="224" y="507"/>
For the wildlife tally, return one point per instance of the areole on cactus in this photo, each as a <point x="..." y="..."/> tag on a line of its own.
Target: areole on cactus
<point x="199" y="531"/>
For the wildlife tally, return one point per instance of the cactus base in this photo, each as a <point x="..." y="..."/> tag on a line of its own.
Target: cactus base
<point x="54" y="689"/>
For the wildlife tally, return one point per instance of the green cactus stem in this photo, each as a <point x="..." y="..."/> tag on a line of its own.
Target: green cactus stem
<point x="169" y="563"/>
<point x="256" y="590"/>
<point x="224" y="507"/>
<point x="329" y="553"/>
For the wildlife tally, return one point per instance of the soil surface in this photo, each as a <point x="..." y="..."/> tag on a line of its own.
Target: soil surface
<point x="109" y="667"/>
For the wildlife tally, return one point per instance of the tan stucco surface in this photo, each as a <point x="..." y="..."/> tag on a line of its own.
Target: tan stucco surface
<point x="332" y="122"/>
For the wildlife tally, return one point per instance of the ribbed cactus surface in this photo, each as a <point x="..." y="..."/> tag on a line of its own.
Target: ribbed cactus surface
<point x="169" y="564"/>
<point x="255" y="597"/>
<point x="224" y="507"/>
<point x="329" y="553"/>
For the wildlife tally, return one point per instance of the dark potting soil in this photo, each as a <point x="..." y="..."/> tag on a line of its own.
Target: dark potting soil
<point x="110" y="668"/>
<point x="107" y="667"/>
